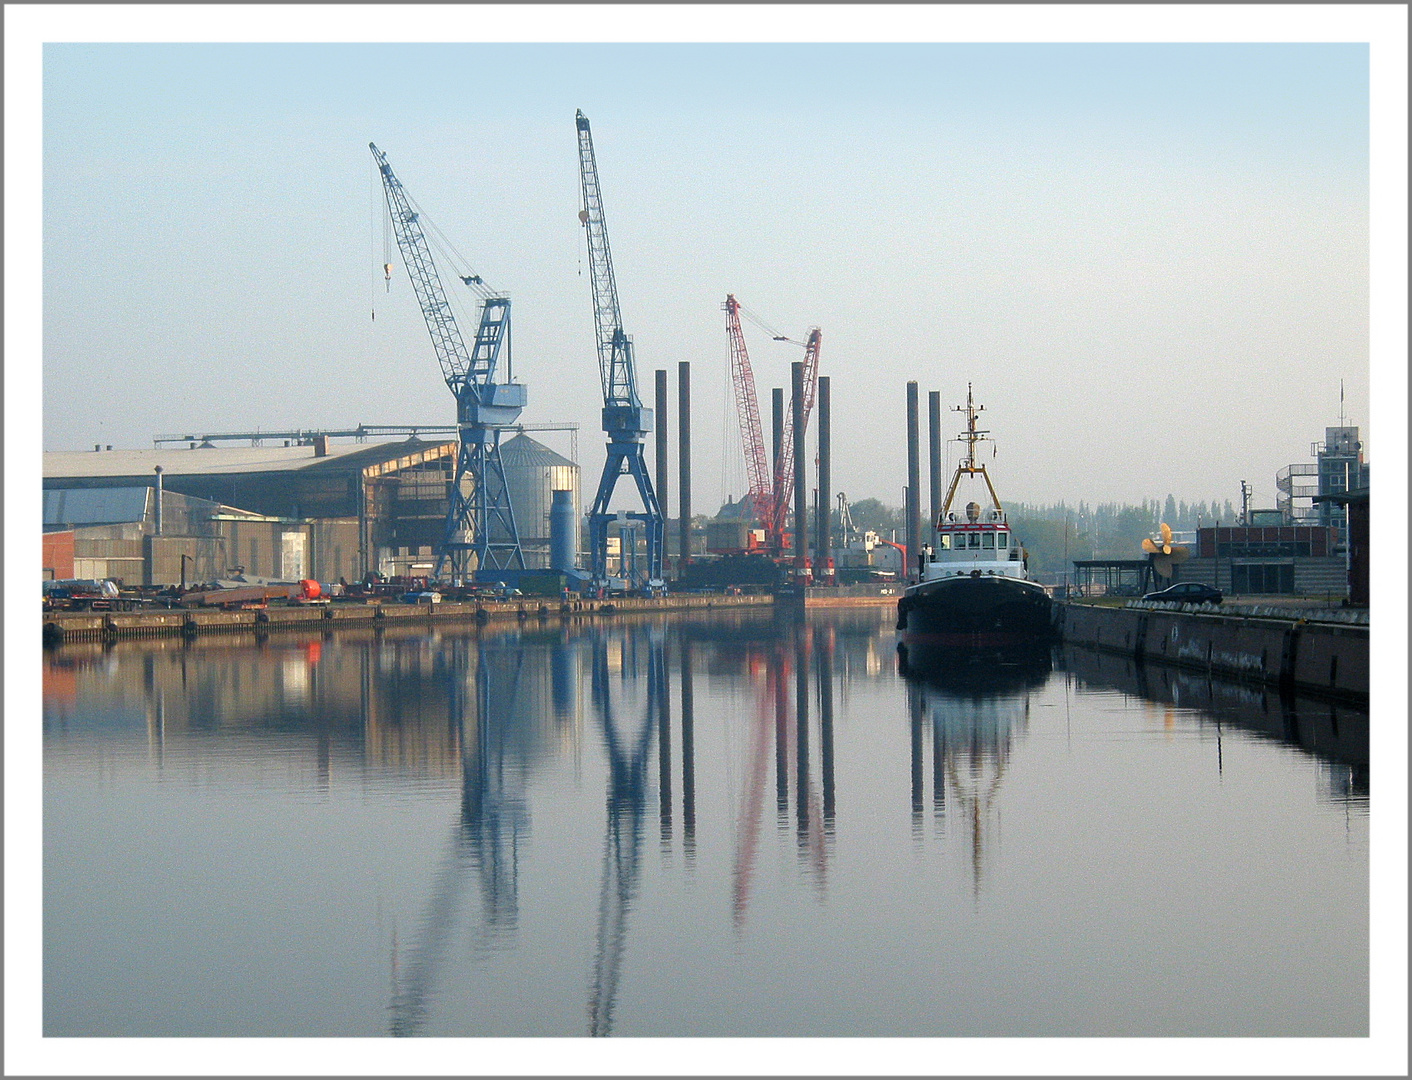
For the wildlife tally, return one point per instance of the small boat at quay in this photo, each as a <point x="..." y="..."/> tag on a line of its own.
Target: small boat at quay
<point x="975" y="593"/>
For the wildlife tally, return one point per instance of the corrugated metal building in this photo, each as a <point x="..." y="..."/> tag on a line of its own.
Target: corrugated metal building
<point x="357" y="506"/>
<point x="113" y="533"/>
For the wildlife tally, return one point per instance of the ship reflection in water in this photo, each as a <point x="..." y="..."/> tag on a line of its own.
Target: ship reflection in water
<point x="652" y="826"/>
<point x="974" y="706"/>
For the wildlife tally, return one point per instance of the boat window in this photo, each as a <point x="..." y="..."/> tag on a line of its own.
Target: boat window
<point x="944" y="541"/>
<point x="988" y="540"/>
<point x="1002" y="540"/>
<point x="974" y="540"/>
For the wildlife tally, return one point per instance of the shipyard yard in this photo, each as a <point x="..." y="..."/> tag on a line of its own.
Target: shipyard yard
<point x="914" y="584"/>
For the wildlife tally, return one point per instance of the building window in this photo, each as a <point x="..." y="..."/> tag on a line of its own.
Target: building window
<point x="1262" y="579"/>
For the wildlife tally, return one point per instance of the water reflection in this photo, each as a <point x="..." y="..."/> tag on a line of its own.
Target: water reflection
<point x="800" y="653"/>
<point x="489" y="687"/>
<point x="630" y="703"/>
<point x="1333" y="732"/>
<point x="973" y="708"/>
<point x="800" y="770"/>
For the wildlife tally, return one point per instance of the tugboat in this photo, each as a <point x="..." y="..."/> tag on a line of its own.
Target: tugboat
<point x="975" y="595"/>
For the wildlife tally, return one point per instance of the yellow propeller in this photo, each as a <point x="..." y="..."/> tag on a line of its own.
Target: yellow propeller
<point x="1168" y="554"/>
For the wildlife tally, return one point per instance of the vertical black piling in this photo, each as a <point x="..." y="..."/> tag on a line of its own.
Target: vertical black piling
<point x="938" y="769"/>
<point x="914" y="703"/>
<point x="664" y="728"/>
<point x="781" y="738"/>
<point x="821" y="543"/>
<point x="801" y="506"/>
<point x="914" y="481"/>
<point x="826" y="724"/>
<point x="934" y="459"/>
<point x="661" y="460"/>
<point x="776" y="445"/>
<point x="801" y="735"/>
<point x="684" y="444"/>
<point x="688" y="756"/>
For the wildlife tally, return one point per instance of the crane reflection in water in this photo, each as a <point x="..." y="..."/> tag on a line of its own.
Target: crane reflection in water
<point x="975" y="708"/>
<point x="629" y="704"/>
<point x="784" y="725"/>
<point x="483" y="680"/>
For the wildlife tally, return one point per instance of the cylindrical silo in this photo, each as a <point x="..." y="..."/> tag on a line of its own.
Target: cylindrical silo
<point x="533" y="473"/>
<point x="563" y="519"/>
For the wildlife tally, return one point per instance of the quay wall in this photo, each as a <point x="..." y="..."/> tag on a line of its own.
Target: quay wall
<point x="1294" y="652"/>
<point x="840" y="596"/>
<point x="61" y="627"/>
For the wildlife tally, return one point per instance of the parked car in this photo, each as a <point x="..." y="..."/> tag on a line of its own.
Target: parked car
<point x="1188" y="592"/>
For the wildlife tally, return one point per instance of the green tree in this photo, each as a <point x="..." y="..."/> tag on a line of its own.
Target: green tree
<point x="874" y="514"/>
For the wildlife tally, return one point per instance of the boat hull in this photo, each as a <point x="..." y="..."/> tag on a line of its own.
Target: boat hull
<point x="970" y="613"/>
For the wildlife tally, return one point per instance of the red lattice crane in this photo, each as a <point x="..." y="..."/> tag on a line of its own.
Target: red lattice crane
<point x="770" y="495"/>
<point x="747" y="407"/>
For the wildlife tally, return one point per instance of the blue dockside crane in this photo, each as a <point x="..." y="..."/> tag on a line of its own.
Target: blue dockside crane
<point x="480" y="537"/>
<point x="625" y="421"/>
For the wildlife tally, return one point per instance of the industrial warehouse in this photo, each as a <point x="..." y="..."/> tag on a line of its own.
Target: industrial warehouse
<point x="315" y="510"/>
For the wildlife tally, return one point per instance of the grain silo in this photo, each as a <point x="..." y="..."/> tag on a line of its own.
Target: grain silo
<point x="533" y="472"/>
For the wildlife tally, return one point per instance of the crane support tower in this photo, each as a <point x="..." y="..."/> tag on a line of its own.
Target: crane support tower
<point x="480" y="536"/>
<point x="770" y="495"/>
<point x="625" y="421"/>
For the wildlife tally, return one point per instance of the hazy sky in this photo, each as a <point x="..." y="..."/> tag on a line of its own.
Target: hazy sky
<point x="1151" y="260"/>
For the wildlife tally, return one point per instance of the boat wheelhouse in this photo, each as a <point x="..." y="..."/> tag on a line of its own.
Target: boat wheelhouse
<point x="973" y="541"/>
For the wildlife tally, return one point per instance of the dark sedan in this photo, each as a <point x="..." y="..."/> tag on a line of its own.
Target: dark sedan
<point x="1188" y="592"/>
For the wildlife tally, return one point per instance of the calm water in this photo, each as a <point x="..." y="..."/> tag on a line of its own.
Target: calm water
<point x="717" y="826"/>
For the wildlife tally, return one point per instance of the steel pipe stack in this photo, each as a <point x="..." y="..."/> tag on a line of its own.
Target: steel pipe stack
<point x="684" y="447"/>
<point x="661" y="462"/>
<point x="801" y="505"/>
<point x="777" y="421"/>
<point x="934" y="458"/>
<point x="821" y="543"/>
<point x="914" y="483"/>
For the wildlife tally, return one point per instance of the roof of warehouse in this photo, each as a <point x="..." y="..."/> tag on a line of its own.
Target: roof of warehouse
<point x="222" y="459"/>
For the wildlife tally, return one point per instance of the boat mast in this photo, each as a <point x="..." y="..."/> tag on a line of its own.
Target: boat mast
<point x="968" y="463"/>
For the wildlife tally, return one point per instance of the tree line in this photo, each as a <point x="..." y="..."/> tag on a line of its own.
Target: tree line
<point x="1056" y="534"/>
